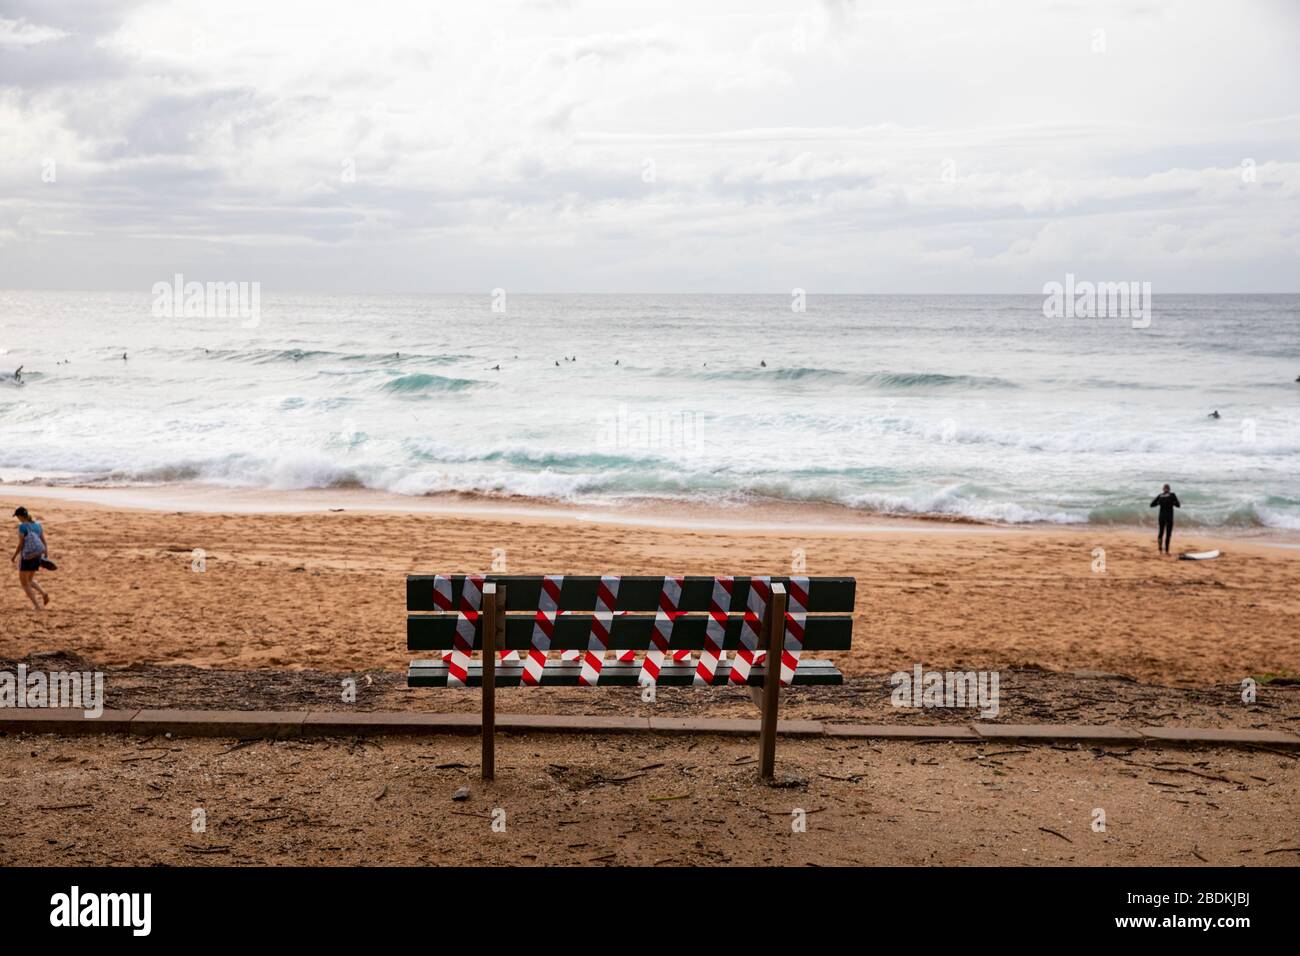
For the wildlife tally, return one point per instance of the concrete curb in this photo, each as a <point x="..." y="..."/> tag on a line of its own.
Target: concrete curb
<point x="250" y="724"/>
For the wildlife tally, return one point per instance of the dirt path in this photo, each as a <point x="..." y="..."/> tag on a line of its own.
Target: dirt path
<point x="637" y="800"/>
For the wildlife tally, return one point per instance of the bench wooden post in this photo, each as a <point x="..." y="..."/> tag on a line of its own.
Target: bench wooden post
<point x="774" y="639"/>
<point x="493" y="624"/>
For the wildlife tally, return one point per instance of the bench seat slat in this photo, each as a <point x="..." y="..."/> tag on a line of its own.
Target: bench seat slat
<point x="637" y="592"/>
<point x="565" y="674"/>
<point x="428" y="632"/>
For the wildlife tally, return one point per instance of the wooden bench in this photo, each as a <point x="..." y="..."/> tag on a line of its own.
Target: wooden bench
<point x="518" y="622"/>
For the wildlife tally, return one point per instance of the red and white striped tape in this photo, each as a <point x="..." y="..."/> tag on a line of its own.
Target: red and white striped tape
<point x="471" y="600"/>
<point x="598" y="640"/>
<point x="543" y="628"/>
<point x="760" y="590"/>
<point x="665" y="615"/>
<point x="442" y="600"/>
<point x="795" y="619"/>
<point x="715" y="631"/>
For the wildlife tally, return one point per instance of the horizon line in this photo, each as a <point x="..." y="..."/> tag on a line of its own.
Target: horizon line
<point x="489" y="292"/>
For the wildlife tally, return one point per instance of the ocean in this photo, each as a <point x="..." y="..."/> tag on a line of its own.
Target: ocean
<point x="975" y="407"/>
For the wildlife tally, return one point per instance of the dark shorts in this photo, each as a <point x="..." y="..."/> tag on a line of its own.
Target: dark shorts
<point x="29" y="564"/>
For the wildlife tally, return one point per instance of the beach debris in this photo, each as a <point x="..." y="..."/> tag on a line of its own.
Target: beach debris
<point x="1056" y="833"/>
<point x="852" y="778"/>
<point x="144" y="757"/>
<point x="461" y="794"/>
<point x="625" y="777"/>
<point x="239" y="746"/>
<point x="788" y="782"/>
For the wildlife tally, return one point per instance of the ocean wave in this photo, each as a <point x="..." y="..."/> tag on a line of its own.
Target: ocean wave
<point x="1229" y="439"/>
<point x="594" y="478"/>
<point x="881" y="380"/>
<point x="1243" y="515"/>
<point x="422" y="382"/>
<point x="958" y="501"/>
<point x="1271" y="518"/>
<point x="283" y="473"/>
<point x="269" y="356"/>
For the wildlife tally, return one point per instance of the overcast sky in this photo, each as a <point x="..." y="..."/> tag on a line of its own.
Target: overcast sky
<point x="696" y="146"/>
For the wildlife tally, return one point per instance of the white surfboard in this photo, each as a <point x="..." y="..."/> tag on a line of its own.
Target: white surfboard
<point x="1198" y="555"/>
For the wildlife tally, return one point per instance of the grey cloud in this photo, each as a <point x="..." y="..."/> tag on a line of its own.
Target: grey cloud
<point x="173" y="124"/>
<point x="92" y="18"/>
<point x="72" y="60"/>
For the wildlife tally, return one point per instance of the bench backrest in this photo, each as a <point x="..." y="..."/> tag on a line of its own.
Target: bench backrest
<point x="636" y="611"/>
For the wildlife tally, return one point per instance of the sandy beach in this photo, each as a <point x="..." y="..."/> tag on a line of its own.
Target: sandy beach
<point x="323" y="588"/>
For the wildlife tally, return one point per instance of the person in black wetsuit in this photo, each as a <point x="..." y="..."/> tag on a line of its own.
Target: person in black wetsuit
<point x="1167" y="501"/>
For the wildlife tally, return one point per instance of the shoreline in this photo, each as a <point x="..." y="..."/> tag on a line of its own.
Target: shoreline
<point x="769" y="516"/>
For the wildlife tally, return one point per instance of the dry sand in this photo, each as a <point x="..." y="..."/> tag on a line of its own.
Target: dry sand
<point x="324" y="590"/>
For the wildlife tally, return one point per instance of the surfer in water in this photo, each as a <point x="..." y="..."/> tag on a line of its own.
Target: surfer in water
<point x="1167" y="501"/>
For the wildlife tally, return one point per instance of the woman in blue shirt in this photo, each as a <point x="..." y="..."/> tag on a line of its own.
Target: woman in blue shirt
<point x="29" y="553"/>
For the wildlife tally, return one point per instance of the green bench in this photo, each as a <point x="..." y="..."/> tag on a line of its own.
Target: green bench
<point x="576" y="631"/>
